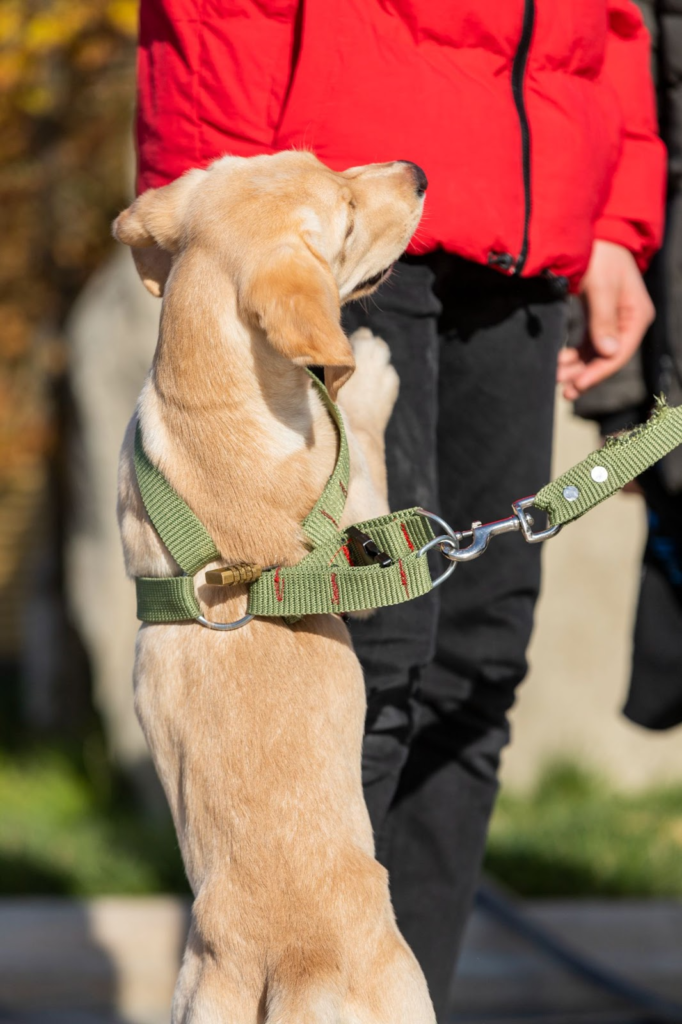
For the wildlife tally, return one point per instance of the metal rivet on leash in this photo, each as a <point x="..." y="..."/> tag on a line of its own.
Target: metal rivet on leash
<point x="599" y="474"/>
<point x="571" y="493"/>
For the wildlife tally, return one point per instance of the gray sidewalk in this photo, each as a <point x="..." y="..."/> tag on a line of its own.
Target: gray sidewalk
<point x="114" y="961"/>
<point x="503" y="977"/>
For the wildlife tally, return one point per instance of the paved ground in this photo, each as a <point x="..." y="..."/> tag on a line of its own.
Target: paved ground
<point x="114" y="961"/>
<point x="503" y="976"/>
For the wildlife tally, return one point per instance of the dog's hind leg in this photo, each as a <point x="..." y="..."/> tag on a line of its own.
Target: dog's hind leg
<point x="314" y="1006"/>
<point x="384" y="985"/>
<point x="207" y="993"/>
<point x="306" y="984"/>
<point x="390" y="988"/>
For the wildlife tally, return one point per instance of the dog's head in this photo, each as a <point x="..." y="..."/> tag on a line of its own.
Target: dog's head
<point x="296" y="239"/>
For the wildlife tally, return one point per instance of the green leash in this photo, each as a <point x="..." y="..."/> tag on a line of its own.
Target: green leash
<point x="622" y="458"/>
<point x="381" y="561"/>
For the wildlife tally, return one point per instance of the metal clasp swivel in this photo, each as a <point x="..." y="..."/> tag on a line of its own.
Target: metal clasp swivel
<point x="449" y="542"/>
<point x="482" y="533"/>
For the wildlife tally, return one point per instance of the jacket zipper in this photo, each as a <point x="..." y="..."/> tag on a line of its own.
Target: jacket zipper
<point x="517" y="78"/>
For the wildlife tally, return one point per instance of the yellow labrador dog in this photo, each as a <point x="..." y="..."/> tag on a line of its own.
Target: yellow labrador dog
<point x="256" y="734"/>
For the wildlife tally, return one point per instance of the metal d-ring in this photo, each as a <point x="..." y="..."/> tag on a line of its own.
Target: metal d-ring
<point x="225" y="627"/>
<point x="446" y="543"/>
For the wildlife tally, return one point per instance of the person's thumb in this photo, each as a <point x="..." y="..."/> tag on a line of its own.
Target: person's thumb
<point x="603" y="321"/>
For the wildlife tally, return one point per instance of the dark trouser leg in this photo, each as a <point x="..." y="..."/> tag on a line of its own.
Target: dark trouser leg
<point x="496" y="397"/>
<point x="396" y="643"/>
<point x="655" y="693"/>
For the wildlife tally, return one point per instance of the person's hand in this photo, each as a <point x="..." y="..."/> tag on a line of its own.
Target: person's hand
<point x="619" y="311"/>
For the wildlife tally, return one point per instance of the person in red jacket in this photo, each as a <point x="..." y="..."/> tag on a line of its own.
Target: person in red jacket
<point x="534" y="121"/>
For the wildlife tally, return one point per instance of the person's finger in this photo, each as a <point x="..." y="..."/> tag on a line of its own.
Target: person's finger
<point x="640" y="314"/>
<point x="595" y="372"/>
<point x="566" y="373"/>
<point x="572" y="361"/>
<point x="602" y="323"/>
<point x="568" y="356"/>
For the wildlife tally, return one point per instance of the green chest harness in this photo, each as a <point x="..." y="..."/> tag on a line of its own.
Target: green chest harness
<point x="381" y="561"/>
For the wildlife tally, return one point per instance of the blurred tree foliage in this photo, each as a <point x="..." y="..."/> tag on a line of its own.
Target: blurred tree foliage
<point x="66" y="95"/>
<point x="66" y="87"/>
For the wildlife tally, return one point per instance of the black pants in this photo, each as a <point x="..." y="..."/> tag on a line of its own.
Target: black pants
<point x="471" y="431"/>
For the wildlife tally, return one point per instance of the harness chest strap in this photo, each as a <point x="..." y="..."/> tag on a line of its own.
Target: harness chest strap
<point x="326" y="580"/>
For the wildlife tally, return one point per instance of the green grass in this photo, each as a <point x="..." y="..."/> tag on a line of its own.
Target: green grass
<point x="575" y="836"/>
<point x="61" y="833"/>
<point x="59" y="837"/>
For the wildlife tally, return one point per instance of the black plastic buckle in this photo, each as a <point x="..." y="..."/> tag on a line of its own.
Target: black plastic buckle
<point x="364" y="550"/>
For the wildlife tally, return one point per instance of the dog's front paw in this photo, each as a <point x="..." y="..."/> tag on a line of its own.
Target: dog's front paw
<point x="369" y="396"/>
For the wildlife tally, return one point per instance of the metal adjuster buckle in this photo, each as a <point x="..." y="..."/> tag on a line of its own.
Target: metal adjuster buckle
<point x="365" y="550"/>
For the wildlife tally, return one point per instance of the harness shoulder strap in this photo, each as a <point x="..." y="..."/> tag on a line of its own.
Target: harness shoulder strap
<point x="173" y="599"/>
<point x="187" y="539"/>
<point x="321" y="523"/>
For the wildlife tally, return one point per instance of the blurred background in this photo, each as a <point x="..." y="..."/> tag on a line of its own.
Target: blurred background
<point x="591" y="807"/>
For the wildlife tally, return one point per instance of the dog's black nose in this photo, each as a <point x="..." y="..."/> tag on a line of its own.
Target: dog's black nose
<point x="421" y="182"/>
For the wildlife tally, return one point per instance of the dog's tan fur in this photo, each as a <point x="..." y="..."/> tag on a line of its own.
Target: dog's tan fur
<point x="256" y="734"/>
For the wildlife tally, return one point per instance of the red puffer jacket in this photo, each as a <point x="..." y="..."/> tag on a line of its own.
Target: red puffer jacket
<point x="533" y="119"/>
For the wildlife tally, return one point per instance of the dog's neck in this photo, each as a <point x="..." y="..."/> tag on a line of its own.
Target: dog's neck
<point x="207" y="360"/>
<point x="232" y="423"/>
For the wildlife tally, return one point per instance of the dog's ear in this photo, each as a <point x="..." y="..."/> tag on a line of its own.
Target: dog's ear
<point x="295" y="300"/>
<point x="153" y="265"/>
<point x="153" y="227"/>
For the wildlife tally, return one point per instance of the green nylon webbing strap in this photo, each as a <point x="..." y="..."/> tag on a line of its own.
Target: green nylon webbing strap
<point x="310" y="587"/>
<point x="187" y="539"/>
<point x="170" y="599"/>
<point x="325" y="580"/>
<point x="327" y="583"/>
<point x="184" y="534"/>
<point x="601" y="474"/>
<point x="321" y="523"/>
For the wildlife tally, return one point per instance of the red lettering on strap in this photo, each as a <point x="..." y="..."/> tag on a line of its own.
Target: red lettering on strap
<point x="330" y="518"/>
<point x="279" y="585"/>
<point x="407" y="536"/>
<point x="335" y="589"/>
